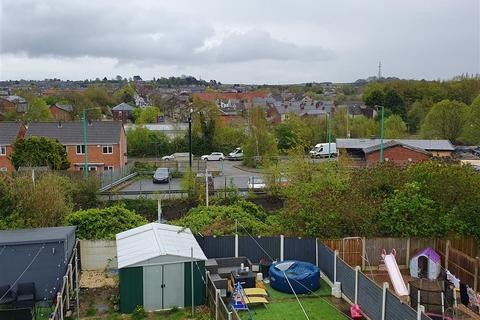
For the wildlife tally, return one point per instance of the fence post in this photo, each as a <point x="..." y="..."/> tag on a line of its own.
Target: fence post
<point x="475" y="281"/>
<point x="59" y="298"/>
<point x="335" y="255"/>
<point x="230" y="315"/>
<point x="207" y="278"/>
<point x="384" y="299"/>
<point x="316" y="252"/>
<point x="407" y="255"/>
<point x="67" y="289"/>
<point x="282" y="242"/>
<point x="236" y="245"/>
<point x="357" y="268"/>
<point x="364" y="250"/>
<point x="70" y="275"/>
<point x="217" y="297"/>
<point x="447" y="253"/>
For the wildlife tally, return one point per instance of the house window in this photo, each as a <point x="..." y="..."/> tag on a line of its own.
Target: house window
<point x="80" y="149"/>
<point x="107" y="168"/>
<point x="93" y="168"/>
<point x="3" y="169"/>
<point x="3" y="150"/>
<point x="107" y="149"/>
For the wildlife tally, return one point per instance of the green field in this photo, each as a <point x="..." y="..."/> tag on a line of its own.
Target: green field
<point x="285" y="306"/>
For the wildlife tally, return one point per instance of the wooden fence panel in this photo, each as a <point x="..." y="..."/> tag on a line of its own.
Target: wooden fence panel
<point x="462" y="266"/>
<point x="467" y="245"/>
<point x="349" y="250"/>
<point x="375" y="247"/>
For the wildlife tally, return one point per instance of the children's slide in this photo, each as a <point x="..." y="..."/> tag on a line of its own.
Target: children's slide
<point x="394" y="273"/>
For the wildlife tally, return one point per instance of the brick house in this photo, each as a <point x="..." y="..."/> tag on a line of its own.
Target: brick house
<point x="396" y="152"/>
<point x="9" y="132"/>
<point x="106" y="142"/>
<point x="13" y="104"/>
<point x="122" y="112"/>
<point x="61" y="112"/>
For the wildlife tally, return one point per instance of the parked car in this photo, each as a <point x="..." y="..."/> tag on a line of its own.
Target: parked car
<point x="177" y="156"/>
<point x="200" y="180"/>
<point x="236" y="154"/>
<point x="281" y="181"/>
<point x="214" y="156"/>
<point x="476" y="151"/>
<point x="321" y="150"/>
<point x="162" y="175"/>
<point x="256" y="183"/>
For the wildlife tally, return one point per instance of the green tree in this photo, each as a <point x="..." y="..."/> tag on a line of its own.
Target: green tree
<point x="260" y="140"/>
<point x="39" y="151"/>
<point x="143" y="142"/>
<point x="445" y="120"/>
<point x="395" y="128"/>
<point x="417" y="113"/>
<point x="362" y="127"/>
<point x="394" y="102"/>
<point x="471" y="133"/>
<point x="147" y="115"/>
<point x="104" y="224"/>
<point x="373" y="96"/>
<point x="38" y="111"/>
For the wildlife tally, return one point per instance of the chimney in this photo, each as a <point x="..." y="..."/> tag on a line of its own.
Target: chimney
<point x="59" y="124"/>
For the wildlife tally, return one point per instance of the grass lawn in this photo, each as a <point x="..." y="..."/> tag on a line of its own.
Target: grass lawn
<point x="285" y="306"/>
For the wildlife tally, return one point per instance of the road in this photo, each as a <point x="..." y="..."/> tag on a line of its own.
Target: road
<point x="231" y="176"/>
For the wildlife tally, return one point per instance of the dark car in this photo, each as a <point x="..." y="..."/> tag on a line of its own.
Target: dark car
<point x="162" y="175"/>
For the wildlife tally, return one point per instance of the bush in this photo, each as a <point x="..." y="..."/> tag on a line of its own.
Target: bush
<point x="104" y="224"/>
<point x="219" y="220"/>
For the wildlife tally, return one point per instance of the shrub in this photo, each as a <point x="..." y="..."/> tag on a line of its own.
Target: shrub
<point x="104" y="224"/>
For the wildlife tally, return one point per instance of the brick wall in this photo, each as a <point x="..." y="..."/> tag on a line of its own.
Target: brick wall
<point x="397" y="154"/>
<point x="95" y="156"/>
<point x="5" y="160"/>
<point x="59" y="114"/>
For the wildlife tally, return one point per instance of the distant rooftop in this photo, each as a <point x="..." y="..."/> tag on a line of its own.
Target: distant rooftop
<point x="443" y="145"/>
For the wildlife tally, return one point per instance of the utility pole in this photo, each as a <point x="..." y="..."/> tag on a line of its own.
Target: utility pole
<point x="381" y="134"/>
<point x="85" y="165"/>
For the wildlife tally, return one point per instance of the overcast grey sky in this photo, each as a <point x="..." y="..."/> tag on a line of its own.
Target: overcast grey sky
<point x="248" y="41"/>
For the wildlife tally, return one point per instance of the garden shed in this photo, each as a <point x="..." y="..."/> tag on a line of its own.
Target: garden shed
<point x="38" y="256"/>
<point x="155" y="263"/>
<point x="425" y="263"/>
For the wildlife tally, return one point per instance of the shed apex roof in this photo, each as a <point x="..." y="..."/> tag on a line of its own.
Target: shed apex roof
<point x="154" y="240"/>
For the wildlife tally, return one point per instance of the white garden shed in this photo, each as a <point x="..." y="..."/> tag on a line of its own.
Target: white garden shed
<point x="155" y="263"/>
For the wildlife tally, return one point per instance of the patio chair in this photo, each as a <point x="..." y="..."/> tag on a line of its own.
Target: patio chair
<point x="25" y="295"/>
<point x="8" y="295"/>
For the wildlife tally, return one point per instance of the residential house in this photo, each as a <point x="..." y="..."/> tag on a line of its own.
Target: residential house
<point x="401" y="151"/>
<point x="122" y="112"/>
<point x="61" y="112"/>
<point x="106" y="142"/>
<point x="13" y="104"/>
<point x="9" y="132"/>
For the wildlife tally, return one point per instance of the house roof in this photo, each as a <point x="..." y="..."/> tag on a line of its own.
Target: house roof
<point x="98" y="132"/>
<point x="9" y="132"/>
<point x="154" y="240"/>
<point x="24" y="236"/>
<point x="428" y="145"/>
<point x="123" y="107"/>
<point x="64" y="107"/>
<point x="429" y="253"/>
<point x="13" y="98"/>
<point x="244" y="96"/>
<point x="393" y="143"/>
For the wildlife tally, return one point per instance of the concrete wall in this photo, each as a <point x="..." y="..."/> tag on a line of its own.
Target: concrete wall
<point x="98" y="255"/>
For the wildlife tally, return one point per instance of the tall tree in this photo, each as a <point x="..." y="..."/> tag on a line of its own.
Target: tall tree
<point x="260" y="140"/>
<point x="38" y="111"/>
<point x="471" y="133"/>
<point x="395" y="128"/>
<point x="38" y="152"/>
<point x="445" y="120"/>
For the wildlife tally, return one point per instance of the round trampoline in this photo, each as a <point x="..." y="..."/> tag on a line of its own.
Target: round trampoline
<point x="304" y="277"/>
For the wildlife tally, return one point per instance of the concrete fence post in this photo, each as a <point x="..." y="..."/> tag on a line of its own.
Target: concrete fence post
<point x="316" y="252"/>
<point x="67" y="291"/>
<point x="447" y="253"/>
<point x="407" y="255"/>
<point x="335" y="255"/>
<point x="384" y="299"/>
<point x="59" y="298"/>
<point x="282" y="248"/>
<point x="364" y="251"/>
<point x="357" y="269"/>
<point x="217" y="298"/>
<point x="236" y="245"/>
<point x="230" y="315"/>
<point x="207" y="278"/>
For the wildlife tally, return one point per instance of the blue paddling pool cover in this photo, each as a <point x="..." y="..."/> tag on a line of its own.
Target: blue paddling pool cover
<point x="304" y="277"/>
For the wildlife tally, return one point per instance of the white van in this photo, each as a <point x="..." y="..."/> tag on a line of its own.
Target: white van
<point x="236" y="154"/>
<point x="321" y="150"/>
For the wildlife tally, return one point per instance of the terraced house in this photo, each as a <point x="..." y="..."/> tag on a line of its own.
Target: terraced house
<point x="9" y="132"/>
<point x="106" y="142"/>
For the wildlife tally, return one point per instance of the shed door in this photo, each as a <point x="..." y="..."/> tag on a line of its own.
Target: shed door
<point x="152" y="287"/>
<point x="173" y="292"/>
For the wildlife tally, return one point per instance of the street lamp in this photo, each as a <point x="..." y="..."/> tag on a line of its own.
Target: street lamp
<point x="190" y="137"/>
<point x="85" y="153"/>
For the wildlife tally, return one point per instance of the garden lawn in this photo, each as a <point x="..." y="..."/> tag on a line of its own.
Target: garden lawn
<point x="316" y="309"/>
<point x="324" y="291"/>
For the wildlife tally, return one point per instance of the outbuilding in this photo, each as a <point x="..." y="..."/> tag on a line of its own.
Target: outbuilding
<point x="425" y="264"/>
<point x="39" y="256"/>
<point x="155" y="263"/>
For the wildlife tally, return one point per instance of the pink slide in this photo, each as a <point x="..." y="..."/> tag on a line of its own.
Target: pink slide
<point x="394" y="273"/>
